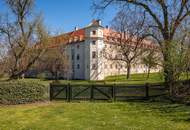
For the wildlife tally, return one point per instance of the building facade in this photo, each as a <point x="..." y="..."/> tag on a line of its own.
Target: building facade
<point x="85" y="51"/>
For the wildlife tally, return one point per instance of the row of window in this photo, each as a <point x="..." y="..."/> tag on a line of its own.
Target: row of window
<point x="94" y="55"/>
<point x="93" y="66"/>
<point x="78" y="56"/>
<point x="111" y="66"/>
<point x="116" y="66"/>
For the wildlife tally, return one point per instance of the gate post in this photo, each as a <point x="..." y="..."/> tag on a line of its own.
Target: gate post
<point x="113" y="92"/>
<point x="147" y="90"/>
<point x="68" y="92"/>
<point x="51" y="92"/>
<point x="92" y="93"/>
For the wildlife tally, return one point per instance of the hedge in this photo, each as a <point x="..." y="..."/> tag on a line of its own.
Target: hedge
<point x="20" y="92"/>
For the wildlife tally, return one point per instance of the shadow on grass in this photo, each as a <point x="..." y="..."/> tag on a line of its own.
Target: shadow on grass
<point x="174" y="112"/>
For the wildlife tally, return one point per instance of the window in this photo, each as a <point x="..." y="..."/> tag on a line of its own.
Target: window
<point x="93" y="66"/>
<point x="116" y="66"/>
<point x="93" y="42"/>
<point x="93" y="54"/>
<point x="116" y="56"/>
<point x="78" y="46"/>
<point x="72" y="57"/>
<point x="72" y="54"/>
<point x="78" y="66"/>
<point x="111" y="66"/>
<point x="94" y="32"/>
<point x="105" y="66"/>
<point x="78" y="56"/>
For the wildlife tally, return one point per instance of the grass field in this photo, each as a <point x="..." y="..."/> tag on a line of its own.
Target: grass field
<point x="121" y="79"/>
<point x="138" y="79"/>
<point x="95" y="116"/>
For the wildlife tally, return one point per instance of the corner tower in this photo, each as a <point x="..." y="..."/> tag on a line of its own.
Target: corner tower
<point x="93" y="51"/>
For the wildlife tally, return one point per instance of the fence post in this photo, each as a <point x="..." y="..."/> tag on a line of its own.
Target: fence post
<point x="113" y="92"/>
<point x="147" y="90"/>
<point x="92" y="93"/>
<point x="51" y="92"/>
<point x="68" y="93"/>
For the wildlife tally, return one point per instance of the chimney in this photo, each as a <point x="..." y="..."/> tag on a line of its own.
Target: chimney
<point x="99" y="22"/>
<point x="76" y="28"/>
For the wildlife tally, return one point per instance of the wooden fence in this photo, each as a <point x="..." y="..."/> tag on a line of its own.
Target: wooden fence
<point x="92" y="92"/>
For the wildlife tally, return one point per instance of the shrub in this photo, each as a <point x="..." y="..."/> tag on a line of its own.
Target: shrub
<point x="41" y="76"/>
<point x="20" y="92"/>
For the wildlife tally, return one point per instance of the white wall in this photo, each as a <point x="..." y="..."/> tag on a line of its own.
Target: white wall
<point x="76" y="49"/>
<point x="86" y="61"/>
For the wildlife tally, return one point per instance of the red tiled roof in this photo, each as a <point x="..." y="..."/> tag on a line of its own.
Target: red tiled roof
<point x="112" y="36"/>
<point x="79" y="36"/>
<point x="67" y="38"/>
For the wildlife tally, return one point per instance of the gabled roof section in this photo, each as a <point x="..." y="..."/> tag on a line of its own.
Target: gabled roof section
<point x="113" y="37"/>
<point x="70" y="37"/>
<point x="74" y="36"/>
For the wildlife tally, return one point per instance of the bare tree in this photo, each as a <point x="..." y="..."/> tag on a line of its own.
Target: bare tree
<point x="24" y="35"/>
<point x="165" y="20"/>
<point x="129" y="37"/>
<point x="54" y="61"/>
<point x="151" y="60"/>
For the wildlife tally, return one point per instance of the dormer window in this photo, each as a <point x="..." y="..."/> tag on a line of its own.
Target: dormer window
<point x="94" y="32"/>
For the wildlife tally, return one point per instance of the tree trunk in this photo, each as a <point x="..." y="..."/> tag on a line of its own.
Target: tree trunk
<point x="128" y="70"/>
<point x="187" y="74"/>
<point x="14" y="76"/>
<point x="148" y="74"/>
<point x="168" y="70"/>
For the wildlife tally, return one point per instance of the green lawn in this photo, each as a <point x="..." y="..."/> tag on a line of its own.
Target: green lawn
<point x="120" y="79"/>
<point x="136" y="78"/>
<point x="95" y="116"/>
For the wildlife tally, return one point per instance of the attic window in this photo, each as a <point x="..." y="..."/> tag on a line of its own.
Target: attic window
<point x="94" y="32"/>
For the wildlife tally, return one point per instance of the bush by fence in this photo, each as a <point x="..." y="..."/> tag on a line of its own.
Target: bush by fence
<point x="20" y="92"/>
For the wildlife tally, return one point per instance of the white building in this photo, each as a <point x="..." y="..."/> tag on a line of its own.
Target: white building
<point x="85" y="48"/>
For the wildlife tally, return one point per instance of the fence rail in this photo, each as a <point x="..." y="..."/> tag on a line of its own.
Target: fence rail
<point x="105" y="92"/>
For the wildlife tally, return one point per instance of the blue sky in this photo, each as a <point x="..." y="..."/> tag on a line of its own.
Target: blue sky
<point x="64" y="15"/>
